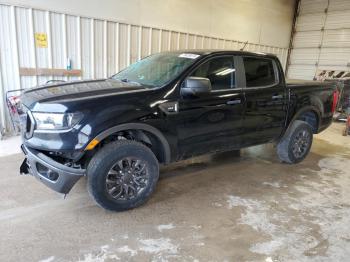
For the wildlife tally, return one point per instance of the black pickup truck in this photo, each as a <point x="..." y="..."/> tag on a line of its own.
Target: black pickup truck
<point x="164" y="108"/>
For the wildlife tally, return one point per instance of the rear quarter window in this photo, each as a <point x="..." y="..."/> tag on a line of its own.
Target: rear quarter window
<point x="259" y="71"/>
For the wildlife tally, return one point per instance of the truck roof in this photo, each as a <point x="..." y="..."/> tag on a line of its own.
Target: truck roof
<point x="221" y="51"/>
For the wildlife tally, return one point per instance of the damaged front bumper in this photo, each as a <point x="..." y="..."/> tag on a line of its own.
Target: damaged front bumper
<point x="53" y="174"/>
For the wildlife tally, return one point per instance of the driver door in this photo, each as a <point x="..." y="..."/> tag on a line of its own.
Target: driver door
<point x="214" y="121"/>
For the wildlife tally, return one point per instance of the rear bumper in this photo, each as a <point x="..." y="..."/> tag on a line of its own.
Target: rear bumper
<point x="53" y="174"/>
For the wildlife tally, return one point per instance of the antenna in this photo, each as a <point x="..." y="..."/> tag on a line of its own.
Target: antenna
<point x="245" y="44"/>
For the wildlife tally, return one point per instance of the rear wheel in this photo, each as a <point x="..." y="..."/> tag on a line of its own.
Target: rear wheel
<point x="296" y="143"/>
<point x="122" y="175"/>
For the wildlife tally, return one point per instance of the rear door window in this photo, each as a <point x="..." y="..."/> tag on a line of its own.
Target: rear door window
<point x="259" y="71"/>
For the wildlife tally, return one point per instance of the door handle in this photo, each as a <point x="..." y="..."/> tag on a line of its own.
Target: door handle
<point x="277" y="96"/>
<point x="169" y="107"/>
<point x="234" y="102"/>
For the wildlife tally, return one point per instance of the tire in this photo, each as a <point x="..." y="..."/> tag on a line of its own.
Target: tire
<point x="296" y="143"/>
<point x="108" y="172"/>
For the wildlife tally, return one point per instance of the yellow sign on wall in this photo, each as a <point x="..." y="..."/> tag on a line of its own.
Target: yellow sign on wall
<point x="41" y="40"/>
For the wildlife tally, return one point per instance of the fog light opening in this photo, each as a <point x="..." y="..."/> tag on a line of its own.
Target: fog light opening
<point x="45" y="172"/>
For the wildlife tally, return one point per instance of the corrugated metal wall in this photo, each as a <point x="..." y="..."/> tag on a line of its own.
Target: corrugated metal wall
<point x="98" y="47"/>
<point x="322" y="38"/>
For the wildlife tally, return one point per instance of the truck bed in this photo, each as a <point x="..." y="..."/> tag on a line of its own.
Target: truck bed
<point x="297" y="83"/>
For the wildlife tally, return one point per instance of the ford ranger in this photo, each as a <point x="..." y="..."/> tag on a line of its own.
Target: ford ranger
<point x="164" y="108"/>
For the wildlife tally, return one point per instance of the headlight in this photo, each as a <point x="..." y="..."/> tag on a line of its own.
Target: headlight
<point x="56" y="121"/>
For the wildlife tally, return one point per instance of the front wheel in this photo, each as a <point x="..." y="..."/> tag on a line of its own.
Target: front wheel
<point x="296" y="143"/>
<point x="122" y="175"/>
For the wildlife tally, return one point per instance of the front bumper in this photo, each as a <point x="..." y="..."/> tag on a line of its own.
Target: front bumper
<point x="53" y="174"/>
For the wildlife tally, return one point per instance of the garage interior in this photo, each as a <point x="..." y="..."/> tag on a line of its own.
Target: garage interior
<point x="218" y="207"/>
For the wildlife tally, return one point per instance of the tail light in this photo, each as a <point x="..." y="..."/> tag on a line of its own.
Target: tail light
<point x="335" y="100"/>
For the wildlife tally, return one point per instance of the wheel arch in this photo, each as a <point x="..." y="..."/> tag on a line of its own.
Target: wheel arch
<point x="302" y="114"/>
<point x="141" y="129"/>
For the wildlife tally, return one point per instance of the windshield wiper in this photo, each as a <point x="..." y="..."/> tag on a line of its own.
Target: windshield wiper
<point x="125" y="80"/>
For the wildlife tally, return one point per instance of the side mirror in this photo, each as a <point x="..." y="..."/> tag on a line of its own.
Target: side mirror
<point x="196" y="86"/>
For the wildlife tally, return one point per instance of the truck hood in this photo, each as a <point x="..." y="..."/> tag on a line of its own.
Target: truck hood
<point x="75" y="91"/>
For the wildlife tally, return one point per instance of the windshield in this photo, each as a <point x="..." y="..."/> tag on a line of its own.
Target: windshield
<point x="156" y="70"/>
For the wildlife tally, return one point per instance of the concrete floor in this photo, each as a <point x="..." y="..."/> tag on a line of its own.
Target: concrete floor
<point x="212" y="208"/>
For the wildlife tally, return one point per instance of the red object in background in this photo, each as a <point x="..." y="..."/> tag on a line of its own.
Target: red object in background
<point x="335" y="100"/>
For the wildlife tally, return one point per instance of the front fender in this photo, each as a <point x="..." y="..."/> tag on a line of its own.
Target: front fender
<point x="138" y="126"/>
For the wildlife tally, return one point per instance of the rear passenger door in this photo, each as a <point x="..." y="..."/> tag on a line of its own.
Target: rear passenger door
<point x="265" y="94"/>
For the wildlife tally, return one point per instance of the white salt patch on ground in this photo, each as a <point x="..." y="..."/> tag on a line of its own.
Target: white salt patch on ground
<point x="267" y="247"/>
<point x="272" y="184"/>
<point x="254" y="216"/>
<point x="126" y="249"/>
<point x="49" y="259"/>
<point x="136" y="247"/>
<point x="163" y="245"/>
<point x="318" y="200"/>
<point x="196" y="227"/>
<point x="257" y="214"/>
<point x="332" y="216"/>
<point x="165" y="227"/>
<point x="103" y="255"/>
<point x="125" y="236"/>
